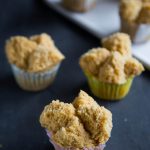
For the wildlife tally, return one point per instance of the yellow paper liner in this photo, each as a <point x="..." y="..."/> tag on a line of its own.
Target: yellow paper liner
<point x="108" y="91"/>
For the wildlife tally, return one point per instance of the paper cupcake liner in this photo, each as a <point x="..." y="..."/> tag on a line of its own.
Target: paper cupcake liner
<point x="139" y="33"/>
<point x="57" y="147"/>
<point x="108" y="91"/>
<point x="79" y="5"/>
<point x="34" y="81"/>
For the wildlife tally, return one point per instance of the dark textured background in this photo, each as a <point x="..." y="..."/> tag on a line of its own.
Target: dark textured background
<point x="20" y="110"/>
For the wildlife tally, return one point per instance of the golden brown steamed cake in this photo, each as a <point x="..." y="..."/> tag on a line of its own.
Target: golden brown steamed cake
<point x="34" y="54"/>
<point x="108" y="64"/>
<point x="80" y="124"/>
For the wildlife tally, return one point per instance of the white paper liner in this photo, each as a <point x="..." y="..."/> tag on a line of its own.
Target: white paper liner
<point x="34" y="81"/>
<point x="57" y="147"/>
<point x="139" y="33"/>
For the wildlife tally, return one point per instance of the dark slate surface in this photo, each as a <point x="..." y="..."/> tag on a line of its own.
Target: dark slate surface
<point x="20" y="110"/>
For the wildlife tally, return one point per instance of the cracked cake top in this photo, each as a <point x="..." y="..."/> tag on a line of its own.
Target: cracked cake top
<point x="82" y="123"/>
<point x="34" y="54"/>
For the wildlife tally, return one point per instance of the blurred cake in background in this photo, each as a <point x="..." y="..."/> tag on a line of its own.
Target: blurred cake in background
<point x="79" y="5"/>
<point x="135" y="19"/>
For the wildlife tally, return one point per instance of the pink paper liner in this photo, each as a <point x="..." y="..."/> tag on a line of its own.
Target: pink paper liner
<point x="57" y="147"/>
